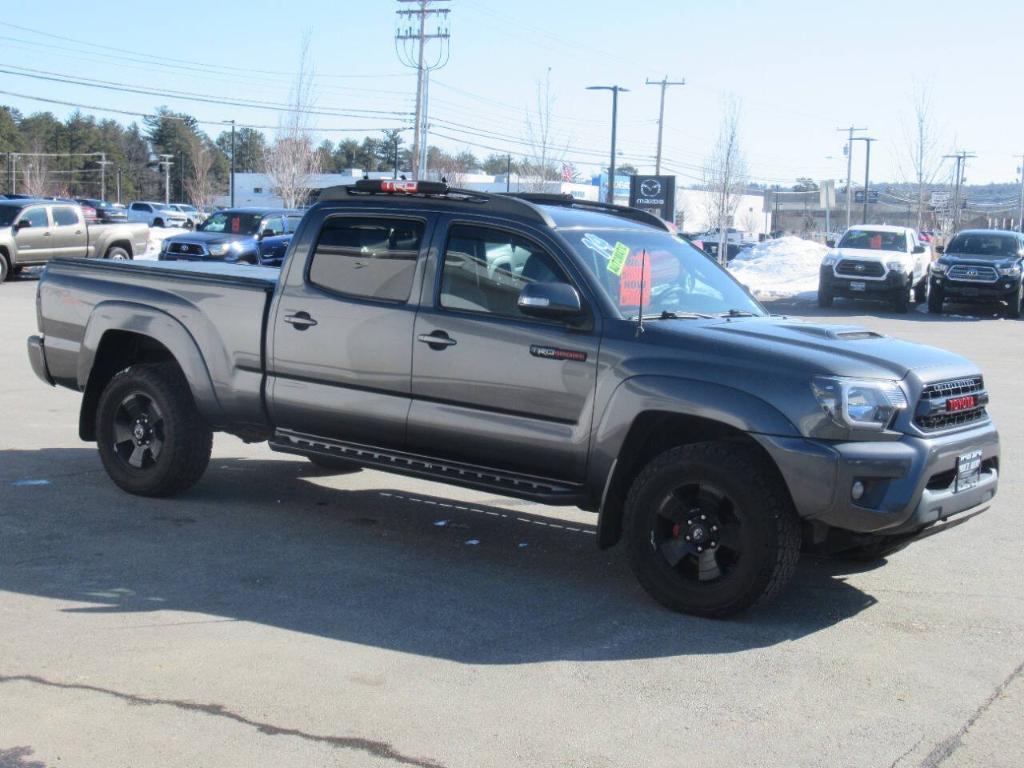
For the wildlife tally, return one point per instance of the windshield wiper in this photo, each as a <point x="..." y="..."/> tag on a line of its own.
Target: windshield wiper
<point x="666" y="314"/>
<point x="738" y="313"/>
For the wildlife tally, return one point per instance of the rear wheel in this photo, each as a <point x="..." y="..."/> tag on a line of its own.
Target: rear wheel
<point x="710" y="529"/>
<point x="151" y="438"/>
<point x="825" y="297"/>
<point x="118" y="254"/>
<point x="1014" y="305"/>
<point x="5" y="268"/>
<point x="935" y="298"/>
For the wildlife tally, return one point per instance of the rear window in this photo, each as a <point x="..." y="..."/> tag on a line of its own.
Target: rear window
<point x="372" y="258"/>
<point x="994" y="246"/>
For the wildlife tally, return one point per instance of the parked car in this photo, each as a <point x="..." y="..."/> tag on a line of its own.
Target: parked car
<point x="549" y="349"/>
<point x="156" y="214"/>
<point x="240" y="235"/>
<point x="875" y="262"/>
<point x="979" y="265"/>
<point x="32" y="232"/>
<point x="106" y="212"/>
<point x="194" y="215"/>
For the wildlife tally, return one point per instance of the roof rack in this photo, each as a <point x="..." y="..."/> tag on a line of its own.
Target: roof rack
<point x="568" y="201"/>
<point x="438" y="192"/>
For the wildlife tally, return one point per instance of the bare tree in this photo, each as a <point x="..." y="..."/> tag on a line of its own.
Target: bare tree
<point x="543" y="163"/>
<point x="34" y="170"/>
<point x="199" y="185"/>
<point x="921" y="159"/>
<point x="293" y="158"/>
<point x="725" y="175"/>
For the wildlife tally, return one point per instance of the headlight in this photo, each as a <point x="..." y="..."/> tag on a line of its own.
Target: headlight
<point x="939" y="268"/>
<point x="219" y="249"/>
<point x="894" y="266"/>
<point x="1012" y="271"/>
<point x="859" y="403"/>
<point x="830" y="260"/>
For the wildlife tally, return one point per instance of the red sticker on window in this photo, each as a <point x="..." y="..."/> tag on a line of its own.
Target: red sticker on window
<point x="631" y="279"/>
<point x="236" y="224"/>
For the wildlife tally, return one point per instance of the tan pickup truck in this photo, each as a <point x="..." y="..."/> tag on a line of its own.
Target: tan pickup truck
<point x="34" y="231"/>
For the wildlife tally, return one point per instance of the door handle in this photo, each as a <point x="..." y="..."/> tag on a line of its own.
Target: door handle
<point x="300" y="320"/>
<point x="437" y="340"/>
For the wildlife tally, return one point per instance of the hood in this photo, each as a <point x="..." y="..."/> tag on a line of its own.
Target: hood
<point x="867" y="254"/>
<point x="778" y="347"/>
<point x="966" y="258"/>
<point x="208" y="237"/>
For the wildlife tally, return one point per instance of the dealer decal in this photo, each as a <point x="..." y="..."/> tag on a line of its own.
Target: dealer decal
<point x="553" y="353"/>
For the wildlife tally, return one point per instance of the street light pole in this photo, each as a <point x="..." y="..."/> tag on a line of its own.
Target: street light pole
<point x="1020" y="213"/>
<point x="615" y="89"/>
<point x="165" y="161"/>
<point x="231" y="179"/>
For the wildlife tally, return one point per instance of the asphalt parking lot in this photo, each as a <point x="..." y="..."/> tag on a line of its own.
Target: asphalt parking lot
<point x="279" y="615"/>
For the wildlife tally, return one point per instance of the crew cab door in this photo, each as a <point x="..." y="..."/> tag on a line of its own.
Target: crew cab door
<point x="491" y="386"/>
<point x="69" y="234"/>
<point x="34" y="235"/>
<point x="341" y="329"/>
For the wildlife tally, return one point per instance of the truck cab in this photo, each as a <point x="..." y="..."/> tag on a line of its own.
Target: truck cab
<point x="877" y="262"/>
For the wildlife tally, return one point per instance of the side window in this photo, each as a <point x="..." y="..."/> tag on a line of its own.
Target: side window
<point x="485" y="269"/>
<point x="293" y="223"/>
<point x="36" y="217"/>
<point x="64" y="216"/>
<point x="371" y="258"/>
<point x="273" y="225"/>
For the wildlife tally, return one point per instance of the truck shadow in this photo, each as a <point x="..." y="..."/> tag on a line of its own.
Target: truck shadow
<point x="271" y="542"/>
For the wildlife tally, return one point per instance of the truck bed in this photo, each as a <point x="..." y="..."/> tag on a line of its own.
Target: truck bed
<point x="217" y="311"/>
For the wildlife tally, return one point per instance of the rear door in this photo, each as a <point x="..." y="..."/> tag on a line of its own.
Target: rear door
<point x="342" y="329"/>
<point x="69" y="234"/>
<point x="35" y="241"/>
<point x="491" y="386"/>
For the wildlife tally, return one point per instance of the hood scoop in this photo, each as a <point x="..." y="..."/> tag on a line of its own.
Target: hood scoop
<point x="841" y="332"/>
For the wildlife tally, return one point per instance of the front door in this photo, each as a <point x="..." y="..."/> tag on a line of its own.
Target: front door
<point x="491" y="386"/>
<point x="35" y="241"/>
<point x="342" y="331"/>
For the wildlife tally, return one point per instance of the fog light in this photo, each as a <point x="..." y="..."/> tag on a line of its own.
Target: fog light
<point x="857" y="490"/>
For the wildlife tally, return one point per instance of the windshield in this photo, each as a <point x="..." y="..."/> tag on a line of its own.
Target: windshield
<point x="8" y="213"/>
<point x="983" y="245"/>
<point x="872" y="240"/>
<point x="677" y="278"/>
<point x="233" y="222"/>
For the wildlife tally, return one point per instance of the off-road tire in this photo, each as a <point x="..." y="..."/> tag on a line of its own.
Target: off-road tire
<point x="901" y="301"/>
<point x="825" y="297"/>
<point x="334" y="464"/>
<point x="117" y="253"/>
<point x="768" y="525"/>
<point x="921" y="291"/>
<point x="936" y="297"/>
<point x="186" y="437"/>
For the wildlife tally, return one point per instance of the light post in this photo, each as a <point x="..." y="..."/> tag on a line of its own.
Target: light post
<point x="615" y="89"/>
<point x="867" y="172"/>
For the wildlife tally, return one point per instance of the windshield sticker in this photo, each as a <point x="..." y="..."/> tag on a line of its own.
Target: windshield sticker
<point x="598" y="245"/>
<point x="631" y="279"/>
<point x="618" y="259"/>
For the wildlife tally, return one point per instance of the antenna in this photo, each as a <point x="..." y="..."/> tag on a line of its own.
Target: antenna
<point x="640" y="314"/>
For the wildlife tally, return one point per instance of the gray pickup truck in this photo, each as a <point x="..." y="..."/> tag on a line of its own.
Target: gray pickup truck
<point x="33" y="232"/>
<point x="539" y="347"/>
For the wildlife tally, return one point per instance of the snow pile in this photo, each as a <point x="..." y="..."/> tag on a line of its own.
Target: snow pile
<point x="779" y="268"/>
<point x="156" y="239"/>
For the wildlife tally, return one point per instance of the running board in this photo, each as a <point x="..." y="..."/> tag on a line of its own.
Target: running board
<point x="539" y="489"/>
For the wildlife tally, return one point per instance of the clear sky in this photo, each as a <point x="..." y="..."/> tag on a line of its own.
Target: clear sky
<point x="799" y="70"/>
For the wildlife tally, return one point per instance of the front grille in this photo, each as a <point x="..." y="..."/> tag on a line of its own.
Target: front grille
<point x="858" y="268"/>
<point x="932" y="410"/>
<point x="972" y="274"/>
<point x="192" y="249"/>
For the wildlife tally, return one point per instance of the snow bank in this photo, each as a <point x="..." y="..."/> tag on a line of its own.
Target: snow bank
<point x="780" y="268"/>
<point x="156" y="239"/>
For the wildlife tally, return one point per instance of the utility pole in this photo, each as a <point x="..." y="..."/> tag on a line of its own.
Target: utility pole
<point x="118" y="186"/>
<point x="411" y="38"/>
<point x="867" y="175"/>
<point x="1020" y="213"/>
<point x="615" y="89"/>
<point x="849" y="168"/>
<point x="508" y="175"/>
<point x="231" y="179"/>
<point x="165" y="163"/>
<point x="103" y="163"/>
<point x="664" y="83"/>
<point x="961" y="166"/>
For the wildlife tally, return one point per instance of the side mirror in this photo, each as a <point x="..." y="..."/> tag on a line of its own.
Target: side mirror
<point x="22" y="223"/>
<point x="550" y="300"/>
<point x="940" y="249"/>
<point x="830" y="242"/>
<point x="919" y="249"/>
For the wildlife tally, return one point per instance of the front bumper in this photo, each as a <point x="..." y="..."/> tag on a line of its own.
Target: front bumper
<point x="910" y="483"/>
<point x="1003" y="289"/>
<point x="37" y="357"/>
<point x="873" y="287"/>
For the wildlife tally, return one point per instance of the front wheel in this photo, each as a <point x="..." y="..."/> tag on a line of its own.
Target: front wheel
<point x="710" y="529"/>
<point x="1014" y="305"/>
<point x="158" y="223"/>
<point x="151" y="438"/>
<point x="5" y="269"/>
<point x="901" y="301"/>
<point x="921" y="291"/>
<point x="935" y="298"/>
<point x="825" y="297"/>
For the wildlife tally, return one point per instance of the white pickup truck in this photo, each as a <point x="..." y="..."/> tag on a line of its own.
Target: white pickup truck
<point x="32" y="232"/>
<point x="876" y="261"/>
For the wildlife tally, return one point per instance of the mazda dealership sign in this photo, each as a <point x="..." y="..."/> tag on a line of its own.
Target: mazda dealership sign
<point x="654" y="194"/>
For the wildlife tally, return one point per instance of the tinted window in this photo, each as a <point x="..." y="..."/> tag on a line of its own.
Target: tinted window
<point x="874" y="240"/>
<point x="36" y="217"/>
<point x="993" y="246"/>
<point x="64" y="217"/>
<point x="367" y="257"/>
<point x="485" y="269"/>
<point x="273" y="224"/>
<point x="234" y="222"/>
<point x="8" y="213"/>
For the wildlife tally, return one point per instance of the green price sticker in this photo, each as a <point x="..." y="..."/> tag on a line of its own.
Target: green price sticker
<point x="618" y="260"/>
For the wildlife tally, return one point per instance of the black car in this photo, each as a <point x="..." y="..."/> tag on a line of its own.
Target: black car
<point x="979" y="265"/>
<point x="106" y="212"/>
<point x="254" y="236"/>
